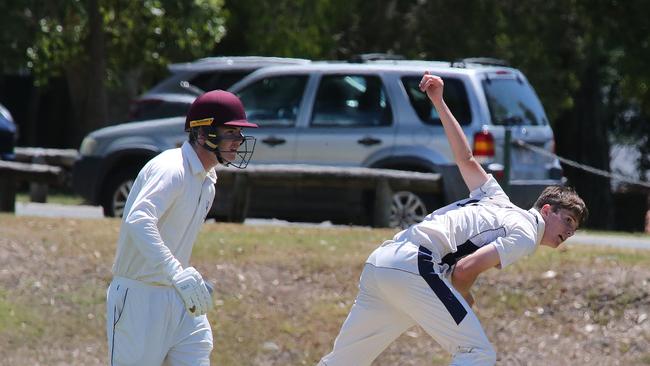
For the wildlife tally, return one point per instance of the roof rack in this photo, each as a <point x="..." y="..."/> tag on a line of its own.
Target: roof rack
<point x="489" y="61"/>
<point x="234" y="61"/>
<point x="365" y="57"/>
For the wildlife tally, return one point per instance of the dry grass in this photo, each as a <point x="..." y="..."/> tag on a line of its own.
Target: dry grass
<point x="282" y="294"/>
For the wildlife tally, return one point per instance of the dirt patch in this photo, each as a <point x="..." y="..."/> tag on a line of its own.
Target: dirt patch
<point x="578" y="307"/>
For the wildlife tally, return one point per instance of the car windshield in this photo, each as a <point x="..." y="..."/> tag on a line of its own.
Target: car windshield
<point x="513" y="102"/>
<point x="196" y="83"/>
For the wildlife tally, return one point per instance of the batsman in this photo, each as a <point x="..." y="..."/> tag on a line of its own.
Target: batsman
<point x="424" y="274"/>
<point x="157" y="302"/>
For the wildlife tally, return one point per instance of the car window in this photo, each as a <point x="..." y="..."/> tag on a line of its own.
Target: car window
<point x="214" y="80"/>
<point x="454" y="94"/>
<point x="351" y="101"/>
<point x="274" y="101"/>
<point x="513" y="102"/>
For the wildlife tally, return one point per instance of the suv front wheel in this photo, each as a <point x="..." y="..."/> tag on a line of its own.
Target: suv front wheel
<point x="117" y="191"/>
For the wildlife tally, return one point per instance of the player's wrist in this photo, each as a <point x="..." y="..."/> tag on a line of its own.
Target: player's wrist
<point x="438" y="102"/>
<point x="173" y="268"/>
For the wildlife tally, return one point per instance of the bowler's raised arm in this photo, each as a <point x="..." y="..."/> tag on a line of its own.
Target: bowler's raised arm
<point x="473" y="173"/>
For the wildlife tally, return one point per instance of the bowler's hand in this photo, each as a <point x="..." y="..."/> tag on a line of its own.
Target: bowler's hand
<point x="433" y="86"/>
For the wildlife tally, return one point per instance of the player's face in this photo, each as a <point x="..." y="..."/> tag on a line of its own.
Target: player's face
<point x="231" y="139"/>
<point x="559" y="226"/>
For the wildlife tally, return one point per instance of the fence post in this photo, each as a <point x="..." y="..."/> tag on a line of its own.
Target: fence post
<point x="507" y="143"/>
<point x="38" y="191"/>
<point x="383" y="198"/>
<point x="240" y="199"/>
<point x="7" y="194"/>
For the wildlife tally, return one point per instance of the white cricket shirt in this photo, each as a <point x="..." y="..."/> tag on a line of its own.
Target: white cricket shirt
<point x="458" y="229"/>
<point x="163" y="214"/>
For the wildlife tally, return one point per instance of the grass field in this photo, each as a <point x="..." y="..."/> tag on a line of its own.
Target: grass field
<point x="53" y="197"/>
<point x="283" y="292"/>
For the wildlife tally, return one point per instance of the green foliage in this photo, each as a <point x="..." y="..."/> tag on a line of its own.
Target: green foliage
<point x="44" y="38"/>
<point x="18" y="319"/>
<point x="149" y="35"/>
<point x="553" y="41"/>
<point x="290" y="28"/>
<point x="41" y="37"/>
<point x="587" y="60"/>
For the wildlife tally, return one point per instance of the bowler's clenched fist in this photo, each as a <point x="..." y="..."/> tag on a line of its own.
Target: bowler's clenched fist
<point x="433" y="86"/>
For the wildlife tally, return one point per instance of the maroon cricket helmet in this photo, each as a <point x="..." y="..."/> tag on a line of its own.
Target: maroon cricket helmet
<point x="217" y="108"/>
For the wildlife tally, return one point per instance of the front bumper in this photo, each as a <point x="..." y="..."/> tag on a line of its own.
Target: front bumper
<point x="86" y="178"/>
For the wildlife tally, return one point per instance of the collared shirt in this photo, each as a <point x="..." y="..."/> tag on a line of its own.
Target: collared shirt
<point x="163" y="214"/>
<point x="458" y="229"/>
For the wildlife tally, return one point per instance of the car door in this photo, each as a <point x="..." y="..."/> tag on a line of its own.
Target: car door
<point x="351" y="119"/>
<point x="274" y="103"/>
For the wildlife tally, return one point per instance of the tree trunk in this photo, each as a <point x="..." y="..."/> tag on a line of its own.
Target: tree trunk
<point x="86" y="80"/>
<point x="581" y="135"/>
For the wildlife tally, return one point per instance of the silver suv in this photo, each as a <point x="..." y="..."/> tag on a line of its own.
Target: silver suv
<point x="368" y="114"/>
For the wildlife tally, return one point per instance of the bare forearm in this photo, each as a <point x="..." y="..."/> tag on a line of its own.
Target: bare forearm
<point x="473" y="174"/>
<point x="462" y="282"/>
<point x="463" y="286"/>
<point x="457" y="140"/>
<point x="469" y="268"/>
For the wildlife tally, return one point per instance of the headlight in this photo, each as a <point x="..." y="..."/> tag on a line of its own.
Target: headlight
<point x="88" y="146"/>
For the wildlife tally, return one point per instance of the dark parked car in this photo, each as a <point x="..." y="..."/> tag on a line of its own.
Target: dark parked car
<point x="172" y="96"/>
<point x="8" y="134"/>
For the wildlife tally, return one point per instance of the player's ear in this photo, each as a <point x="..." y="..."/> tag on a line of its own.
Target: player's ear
<point x="546" y="209"/>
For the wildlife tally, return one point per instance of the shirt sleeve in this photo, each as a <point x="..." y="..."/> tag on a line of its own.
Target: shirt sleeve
<point x="160" y="189"/>
<point x="491" y="188"/>
<point x="514" y="246"/>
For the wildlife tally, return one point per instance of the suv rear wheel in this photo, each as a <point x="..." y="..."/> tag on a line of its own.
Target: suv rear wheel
<point x="406" y="209"/>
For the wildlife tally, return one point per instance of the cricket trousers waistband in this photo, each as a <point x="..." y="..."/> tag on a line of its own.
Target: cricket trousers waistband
<point x="129" y="282"/>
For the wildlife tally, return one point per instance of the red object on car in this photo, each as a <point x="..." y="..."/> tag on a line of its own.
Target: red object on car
<point x="483" y="145"/>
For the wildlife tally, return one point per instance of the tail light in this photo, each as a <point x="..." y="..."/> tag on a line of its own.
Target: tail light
<point x="483" y="145"/>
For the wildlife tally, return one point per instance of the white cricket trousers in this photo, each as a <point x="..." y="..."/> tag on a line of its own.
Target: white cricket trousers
<point x="149" y="326"/>
<point x="392" y="300"/>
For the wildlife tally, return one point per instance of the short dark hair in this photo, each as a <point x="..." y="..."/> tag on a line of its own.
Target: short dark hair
<point x="563" y="197"/>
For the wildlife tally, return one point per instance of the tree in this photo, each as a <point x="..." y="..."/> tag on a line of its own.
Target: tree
<point x="629" y="95"/>
<point x="587" y="60"/>
<point x="571" y="84"/>
<point x="284" y="28"/>
<point x="114" y="44"/>
<point x="584" y="59"/>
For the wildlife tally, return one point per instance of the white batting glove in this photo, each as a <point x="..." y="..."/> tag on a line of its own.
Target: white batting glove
<point x="193" y="290"/>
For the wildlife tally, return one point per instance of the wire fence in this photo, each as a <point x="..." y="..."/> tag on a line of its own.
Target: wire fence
<point x="584" y="167"/>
